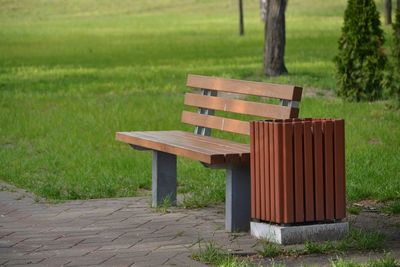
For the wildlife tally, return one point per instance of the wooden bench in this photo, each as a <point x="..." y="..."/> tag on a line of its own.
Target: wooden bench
<point x="214" y="152"/>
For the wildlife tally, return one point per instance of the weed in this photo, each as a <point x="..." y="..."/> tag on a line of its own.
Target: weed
<point x="271" y="250"/>
<point x="165" y="205"/>
<point x="318" y="248"/>
<point x="212" y="254"/>
<point x="387" y="261"/>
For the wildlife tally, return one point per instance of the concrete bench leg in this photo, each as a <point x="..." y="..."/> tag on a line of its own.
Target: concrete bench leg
<point x="237" y="198"/>
<point x="163" y="178"/>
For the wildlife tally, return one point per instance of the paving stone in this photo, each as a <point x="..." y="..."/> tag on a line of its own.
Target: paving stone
<point x="95" y="258"/>
<point x="184" y="259"/>
<point x="24" y="261"/>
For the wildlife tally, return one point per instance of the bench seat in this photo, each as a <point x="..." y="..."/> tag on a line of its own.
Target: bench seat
<point x="207" y="149"/>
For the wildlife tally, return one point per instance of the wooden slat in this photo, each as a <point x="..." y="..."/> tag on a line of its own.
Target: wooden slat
<point x="252" y="169"/>
<point x="288" y="190"/>
<point x="298" y="172"/>
<point x="278" y="148"/>
<point x="308" y="173"/>
<point x="278" y="91"/>
<point x="242" y="148"/>
<point x="267" y="172"/>
<point x="234" y="152"/>
<point x="318" y="171"/>
<point x="241" y="106"/>
<point x="169" y="138"/>
<point x="340" y="189"/>
<point x="328" y="170"/>
<point x="257" y="172"/>
<point x="214" y="122"/>
<point x="272" y="170"/>
<point x="215" y="143"/>
<point x="262" y="169"/>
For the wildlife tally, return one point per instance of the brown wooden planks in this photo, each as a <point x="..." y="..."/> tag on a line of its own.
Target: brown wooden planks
<point x="278" y="91"/>
<point x="298" y="172"/>
<point x="214" y="122"/>
<point x="241" y="106"/>
<point x="187" y="145"/>
<point x="328" y="170"/>
<point x="318" y="171"/>
<point x="288" y="190"/>
<point x="309" y="172"/>
<point x="339" y="169"/>
<point x="160" y="145"/>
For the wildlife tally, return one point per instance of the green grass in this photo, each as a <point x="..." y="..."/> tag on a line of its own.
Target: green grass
<point x="213" y="255"/>
<point x="387" y="261"/>
<point x="72" y="73"/>
<point x="271" y="250"/>
<point x="392" y="207"/>
<point x="356" y="240"/>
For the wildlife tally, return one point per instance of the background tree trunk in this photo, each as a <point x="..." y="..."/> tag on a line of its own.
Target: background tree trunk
<point x="263" y="10"/>
<point x="398" y="4"/>
<point x="275" y="38"/>
<point x="241" y="24"/>
<point x="388" y="11"/>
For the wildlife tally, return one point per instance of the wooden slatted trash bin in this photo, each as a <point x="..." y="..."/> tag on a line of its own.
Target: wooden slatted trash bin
<point x="298" y="176"/>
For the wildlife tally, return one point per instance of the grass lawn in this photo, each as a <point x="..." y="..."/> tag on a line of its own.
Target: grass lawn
<point x="72" y="73"/>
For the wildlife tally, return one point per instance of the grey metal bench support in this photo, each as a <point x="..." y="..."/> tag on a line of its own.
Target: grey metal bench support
<point x="163" y="178"/>
<point x="237" y="198"/>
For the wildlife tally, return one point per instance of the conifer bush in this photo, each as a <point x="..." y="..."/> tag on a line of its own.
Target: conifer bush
<point x="361" y="60"/>
<point x="395" y="87"/>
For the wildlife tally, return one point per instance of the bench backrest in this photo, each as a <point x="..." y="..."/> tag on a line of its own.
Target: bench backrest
<point x="208" y="101"/>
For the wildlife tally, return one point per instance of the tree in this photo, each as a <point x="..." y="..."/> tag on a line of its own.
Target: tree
<point x="241" y="24"/>
<point x="274" y="33"/>
<point x="392" y="77"/>
<point x="263" y="10"/>
<point x="388" y="11"/>
<point x="361" y="60"/>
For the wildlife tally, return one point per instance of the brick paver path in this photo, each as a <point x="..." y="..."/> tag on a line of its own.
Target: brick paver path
<point x="107" y="232"/>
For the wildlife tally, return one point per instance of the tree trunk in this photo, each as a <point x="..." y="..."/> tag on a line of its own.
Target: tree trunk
<point x="274" y="50"/>
<point x="241" y="24"/>
<point x="398" y="4"/>
<point x="263" y="10"/>
<point x="388" y="11"/>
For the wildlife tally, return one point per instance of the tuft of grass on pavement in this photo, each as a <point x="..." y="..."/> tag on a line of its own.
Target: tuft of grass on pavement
<point x="215" y="256"/>
<point x="271" y="250"/>
<point x="387" y="261"/>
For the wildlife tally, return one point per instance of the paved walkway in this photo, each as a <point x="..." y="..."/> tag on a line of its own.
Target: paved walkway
<point x="107" y="232"/>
